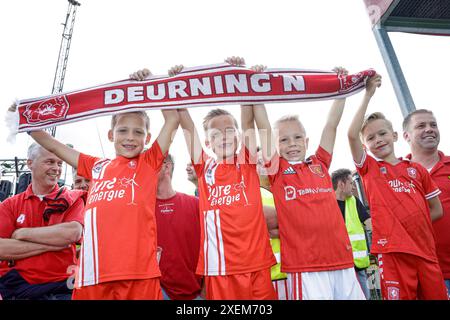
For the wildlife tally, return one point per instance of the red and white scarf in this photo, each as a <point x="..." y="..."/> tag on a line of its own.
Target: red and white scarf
<point x="219" y="84"/>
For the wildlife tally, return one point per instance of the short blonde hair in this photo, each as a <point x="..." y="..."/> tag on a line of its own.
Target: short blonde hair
<point x="142" y="114"/>
<point x="371" y="118"/>
<point x="216" y="113"/>
<point x="288" y="118"/>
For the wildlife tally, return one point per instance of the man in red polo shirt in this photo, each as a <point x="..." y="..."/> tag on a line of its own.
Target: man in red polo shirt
<point x="178" y="229"/>
<point x="421" y="131"/>
<point x="38" y="231"/>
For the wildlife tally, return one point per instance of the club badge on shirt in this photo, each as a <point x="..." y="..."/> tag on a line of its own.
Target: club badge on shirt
<point x="97" y="168"/>
<point x="393" y="293"/>
<point x="132" y="164"/>
<point x="316" y="169"/>
<point x="412" y="172"/>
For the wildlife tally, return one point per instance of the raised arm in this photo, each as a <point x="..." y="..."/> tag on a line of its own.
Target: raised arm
<point x="247" y="119"/>
<point x="62" y="151"/>
<point x="62" y="234"/>
<point x="356" y="146"/>
<point x="171" y="118"/>
<point x="167" y="133"/>
<point x="328" y="137"/>
<point x="248" y="128"/>
<point x="190" y="135"/>
<point x="266" y="137"/>
<point x="268" y="145"/>
<point x="436" y="211"/>
<point x="187" y="125"/>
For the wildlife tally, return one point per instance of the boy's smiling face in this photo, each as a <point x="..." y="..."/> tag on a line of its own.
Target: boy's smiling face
<point x="379" y="138"/>
<point x="129" y="135"/>
<point x="292" y="141"/>
<point x="222" y="136"/>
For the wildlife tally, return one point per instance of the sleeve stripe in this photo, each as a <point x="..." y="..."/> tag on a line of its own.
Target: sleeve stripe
<point x="363" y="159"/>
<point x="433" y="194"/>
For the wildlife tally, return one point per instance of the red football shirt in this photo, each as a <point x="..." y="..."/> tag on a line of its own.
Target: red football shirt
<point x="313" y="236"/>
<point x="119" y="241"/>
<point x="397" y="196"/>
<point x="25" y="210"/>
<point x="178" y="226"/>
<point x="234" y="237"/>
<point x="440" y="174"/>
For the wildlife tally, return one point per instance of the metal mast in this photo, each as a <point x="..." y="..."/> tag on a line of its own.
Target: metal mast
<point x="17" y="167"/>
<point x="64" y="48"/>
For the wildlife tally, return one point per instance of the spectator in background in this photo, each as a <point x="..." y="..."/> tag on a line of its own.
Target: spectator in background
<point x="192" y="176"/>
<point x="178" y="230"/>
<point x="79" y="182"/>
<point x="421" y="131"/>
<point x="38" y="231"/>
<point x="355" y="217"/>
<point x="82" y="184"/>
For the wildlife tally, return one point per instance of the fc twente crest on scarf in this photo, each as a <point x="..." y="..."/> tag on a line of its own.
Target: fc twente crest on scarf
<point x="48" y="110"/>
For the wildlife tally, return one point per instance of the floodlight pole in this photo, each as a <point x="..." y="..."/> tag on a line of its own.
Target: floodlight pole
<point x="61" y="66"/>
<point x="398" y="80"/>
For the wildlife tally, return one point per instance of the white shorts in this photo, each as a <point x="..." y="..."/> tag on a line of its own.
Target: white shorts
<point x="325" y="285"/>
<point x="281" y="289"/>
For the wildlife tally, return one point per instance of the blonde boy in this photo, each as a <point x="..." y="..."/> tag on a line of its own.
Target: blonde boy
<point x="315" y="248"/>
<point x="403" y="201"/>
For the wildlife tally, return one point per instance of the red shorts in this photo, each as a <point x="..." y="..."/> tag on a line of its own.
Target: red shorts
<point x="407" y="277"/>
<point x="146" y="289"/>
<point x="245" y="286"/>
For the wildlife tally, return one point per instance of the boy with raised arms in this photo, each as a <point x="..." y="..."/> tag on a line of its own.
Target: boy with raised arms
<point x="315" y="248"/>
<point x="118" y="252"/>
<point x="403" y="201"/>
<point x="235" y="254"/>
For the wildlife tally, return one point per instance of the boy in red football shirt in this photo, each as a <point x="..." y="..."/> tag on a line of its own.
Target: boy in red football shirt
<point x="235" y="253"/>
<point x="315" y="248"/>
<point x="402" y="198"/>
<point x="118" y="252"/>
